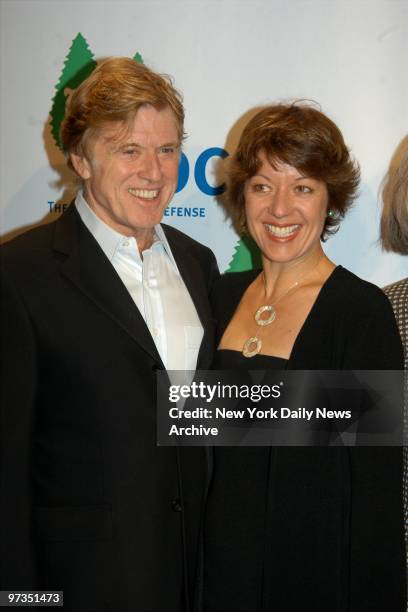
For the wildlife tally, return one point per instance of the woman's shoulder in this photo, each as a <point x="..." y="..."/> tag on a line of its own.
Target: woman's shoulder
<point x="357" y="295"/>
<point x="397" y="291"/>
<point x="228" y="290"/>
<point x="345" y="279"/>
<point x="239" y="280"/>
<point x="356" y="319"/>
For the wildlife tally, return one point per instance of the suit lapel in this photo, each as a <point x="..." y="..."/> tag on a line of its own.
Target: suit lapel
<point x="87" y="267"/>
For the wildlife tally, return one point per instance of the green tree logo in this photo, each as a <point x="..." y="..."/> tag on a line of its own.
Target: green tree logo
<point x="246" y="255"/>
<point x="78" y="65"/>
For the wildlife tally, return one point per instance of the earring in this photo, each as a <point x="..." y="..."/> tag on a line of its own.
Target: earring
<point x="330" y="213"/>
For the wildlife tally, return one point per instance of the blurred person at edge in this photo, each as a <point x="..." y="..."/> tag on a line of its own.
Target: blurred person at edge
<point x="92" y="306"/>
<point x="394" y="237"/>
<point x="301" y="528"/>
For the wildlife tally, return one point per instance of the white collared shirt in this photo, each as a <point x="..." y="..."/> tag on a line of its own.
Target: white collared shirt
<point x="156" y="287"/>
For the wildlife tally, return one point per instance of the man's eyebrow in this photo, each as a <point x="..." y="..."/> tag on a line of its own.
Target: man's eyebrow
<point x="115" y="145"/>
<point x="123" y="145"/>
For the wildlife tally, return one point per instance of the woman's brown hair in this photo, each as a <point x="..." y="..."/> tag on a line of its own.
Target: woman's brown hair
<point x="303" y="137"/>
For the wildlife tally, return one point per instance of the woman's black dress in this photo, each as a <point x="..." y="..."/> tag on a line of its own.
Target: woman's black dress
<point x="309" y="529"/>
<point x="237" y="511"/>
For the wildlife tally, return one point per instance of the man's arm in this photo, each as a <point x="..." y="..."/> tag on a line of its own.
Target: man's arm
<point x="17" y="399"/>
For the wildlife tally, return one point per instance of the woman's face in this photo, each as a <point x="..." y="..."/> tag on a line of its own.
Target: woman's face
<point x="285" y="212"/>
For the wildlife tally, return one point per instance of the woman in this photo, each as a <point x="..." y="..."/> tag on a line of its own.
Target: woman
<point x="289" y="528"/>
<point x="394" y="233"/>
<point x="394" y="237"/>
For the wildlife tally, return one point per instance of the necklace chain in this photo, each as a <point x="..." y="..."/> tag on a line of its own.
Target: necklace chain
<point x="253" y="345"/>
<point x="282" y="295"/>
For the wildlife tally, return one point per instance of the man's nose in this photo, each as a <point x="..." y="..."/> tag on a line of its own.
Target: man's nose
<point x="150" y="168"/>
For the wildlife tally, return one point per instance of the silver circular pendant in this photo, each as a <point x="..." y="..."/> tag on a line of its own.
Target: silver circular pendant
<point x="258" y="315"/>
<point x="252" y="347"/>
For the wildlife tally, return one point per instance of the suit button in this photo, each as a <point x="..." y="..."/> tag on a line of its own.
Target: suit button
<point x="176" y="505"/>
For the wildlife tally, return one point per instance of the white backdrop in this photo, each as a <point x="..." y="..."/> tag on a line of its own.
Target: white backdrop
<point x="227" y="57"/>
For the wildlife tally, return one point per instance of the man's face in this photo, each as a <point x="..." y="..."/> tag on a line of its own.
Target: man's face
<point x="130" y="175"/>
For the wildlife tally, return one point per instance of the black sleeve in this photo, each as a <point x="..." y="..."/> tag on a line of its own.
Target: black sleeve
<point x="377" y="550"/>
<point x="17" y="399"/>
<point x="372" y="338"/>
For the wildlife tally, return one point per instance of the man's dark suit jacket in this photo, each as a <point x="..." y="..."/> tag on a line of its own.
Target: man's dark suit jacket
<point x="88" y="503"/>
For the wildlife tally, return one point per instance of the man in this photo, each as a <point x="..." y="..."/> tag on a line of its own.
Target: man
<point x="93" y="305"/>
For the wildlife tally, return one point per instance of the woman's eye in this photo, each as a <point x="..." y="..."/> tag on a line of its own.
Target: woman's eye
<point x="303" y="189"/>
<point x="260" y="188"/>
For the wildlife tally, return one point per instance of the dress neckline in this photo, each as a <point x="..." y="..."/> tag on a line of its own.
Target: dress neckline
<point x="235" y="352"/>
<point x="319" y="298"/>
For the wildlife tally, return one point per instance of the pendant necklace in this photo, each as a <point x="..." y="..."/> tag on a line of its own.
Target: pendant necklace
<point x="253" y="345"/>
